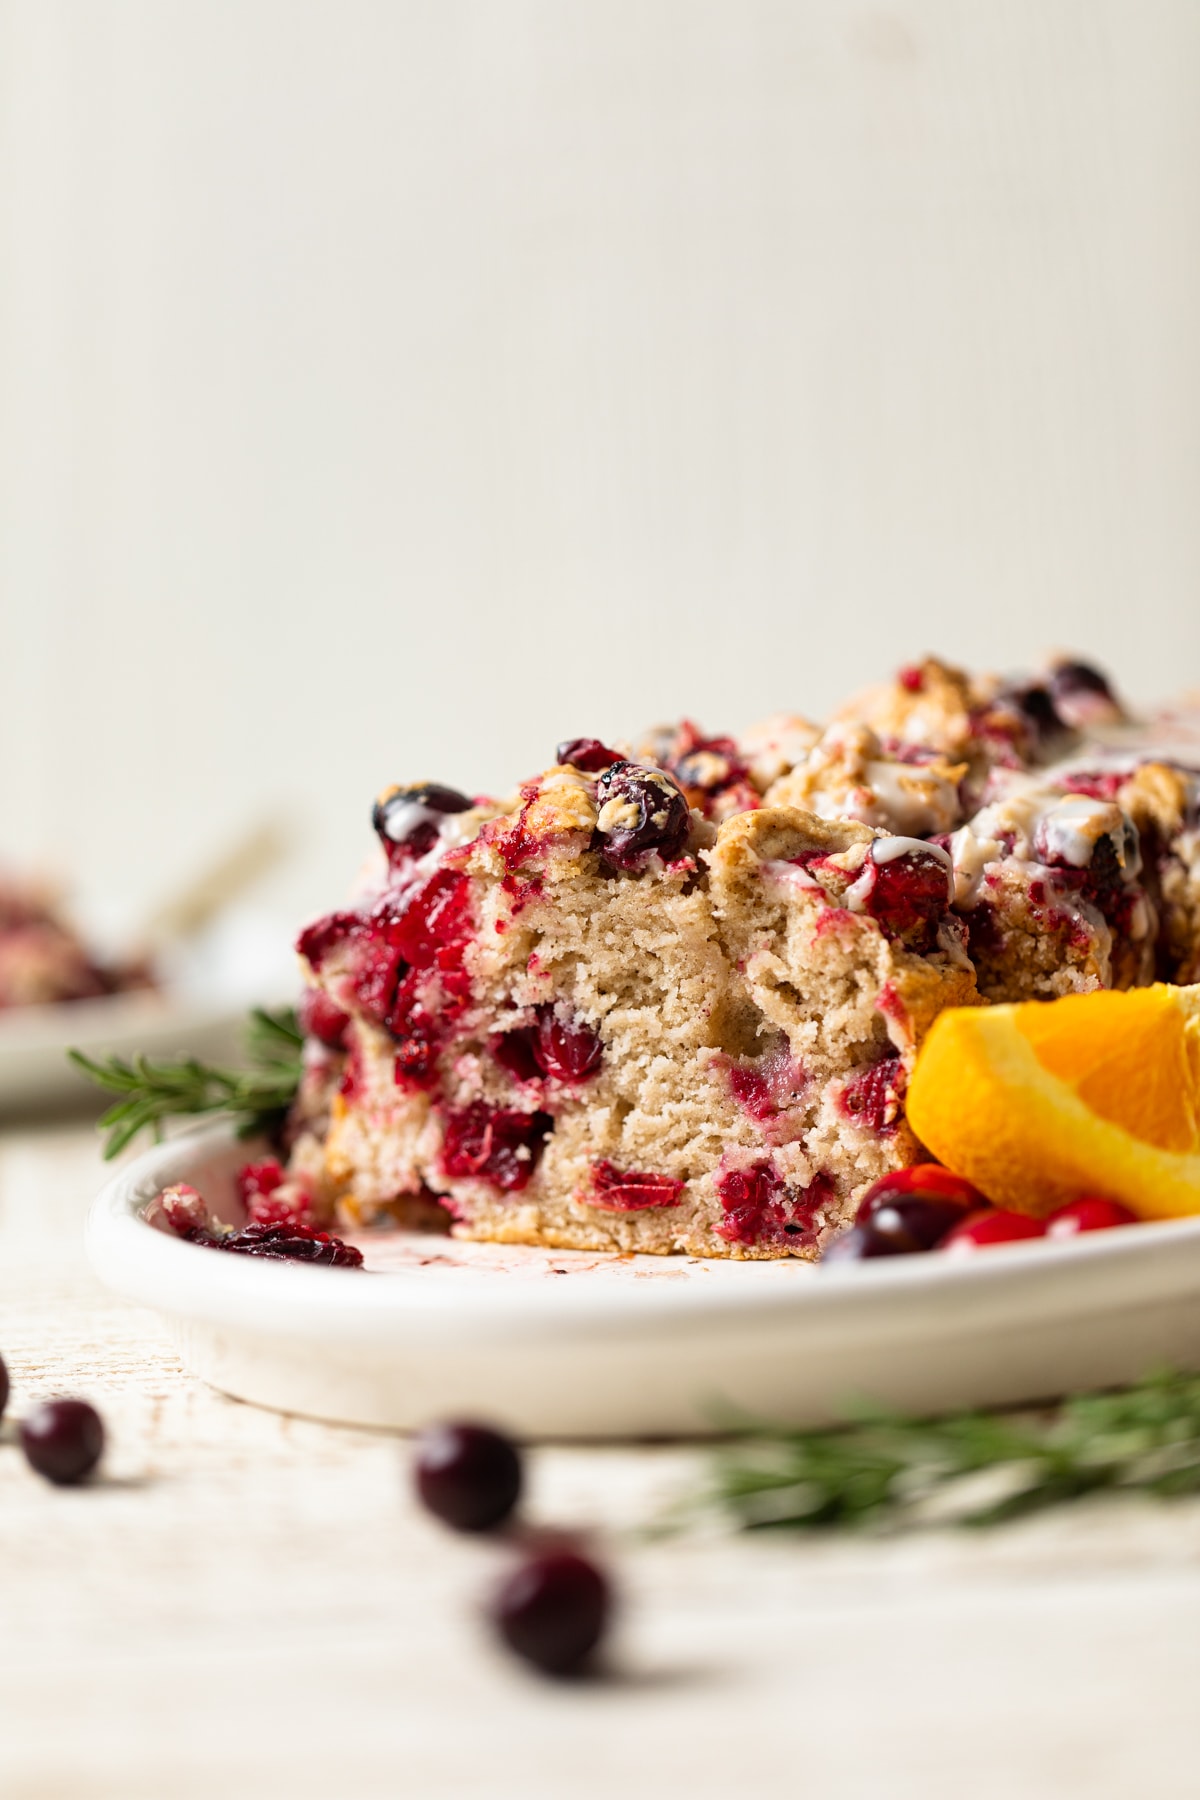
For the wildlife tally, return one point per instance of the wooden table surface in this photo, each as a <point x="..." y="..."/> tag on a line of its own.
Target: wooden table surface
<point x="248" y="1604"/>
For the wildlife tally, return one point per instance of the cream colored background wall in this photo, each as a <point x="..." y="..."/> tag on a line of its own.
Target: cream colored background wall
<point x="391" y="389"/>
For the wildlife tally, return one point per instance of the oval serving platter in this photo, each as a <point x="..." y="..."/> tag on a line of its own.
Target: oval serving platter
<point x="569" y="1344"/>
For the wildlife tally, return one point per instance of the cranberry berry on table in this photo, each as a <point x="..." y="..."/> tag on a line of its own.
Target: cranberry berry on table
<point x="62" y="1439"/>
<point x="552" y="1608"/>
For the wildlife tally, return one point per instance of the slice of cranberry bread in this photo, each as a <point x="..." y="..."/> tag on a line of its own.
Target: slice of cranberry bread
<point x="596" y="1019"/>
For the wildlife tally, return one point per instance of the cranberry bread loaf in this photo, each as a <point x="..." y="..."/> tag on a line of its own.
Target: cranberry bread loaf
<point x="598" y="1020"/>
<point x="668" y="999"/>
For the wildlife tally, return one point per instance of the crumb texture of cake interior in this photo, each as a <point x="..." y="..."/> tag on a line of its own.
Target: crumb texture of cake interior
<point x="668" y="996"/>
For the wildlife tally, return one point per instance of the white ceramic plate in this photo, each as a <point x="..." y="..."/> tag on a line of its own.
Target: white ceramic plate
<point x="34" y="1040"/>
<point x="558" y="1343"/>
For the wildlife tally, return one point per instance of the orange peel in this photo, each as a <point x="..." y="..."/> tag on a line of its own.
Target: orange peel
<point x="1091" y="1094"/>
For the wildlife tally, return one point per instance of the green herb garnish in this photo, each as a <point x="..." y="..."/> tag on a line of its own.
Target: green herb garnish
<point x="887" y="1469"/>
<point x="154" y="1092"/>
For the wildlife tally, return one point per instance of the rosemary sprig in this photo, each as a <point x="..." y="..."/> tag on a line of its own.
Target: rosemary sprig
<point x="151" y="1093"/>
<point x="887" y="1469"/>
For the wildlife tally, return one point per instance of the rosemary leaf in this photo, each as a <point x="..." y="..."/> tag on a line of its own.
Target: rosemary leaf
<point x="885" y="1469"/>
<point x="151" y="1094"/>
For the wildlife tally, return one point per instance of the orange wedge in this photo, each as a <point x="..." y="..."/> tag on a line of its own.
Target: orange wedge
<point x="1091" y="1094"/>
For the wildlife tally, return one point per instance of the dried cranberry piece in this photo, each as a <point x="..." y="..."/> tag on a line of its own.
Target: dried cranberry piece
<point x="586" y="753"/>
<point x="286" y="1243"/>
<point x="493" y="1145"/>
<point x="631" y="1190"/>
<point x="568" y="1049"/>
<point x="321" y="1019"/>
<point x="408" y="819"/>
<point x="640" y="810"/>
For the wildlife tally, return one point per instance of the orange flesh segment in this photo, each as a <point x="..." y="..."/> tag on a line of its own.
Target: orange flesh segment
<point x="1127" y="1056"/>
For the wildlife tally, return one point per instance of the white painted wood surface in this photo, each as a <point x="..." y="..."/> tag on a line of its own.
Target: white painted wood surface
<point x="249" y="1605"/>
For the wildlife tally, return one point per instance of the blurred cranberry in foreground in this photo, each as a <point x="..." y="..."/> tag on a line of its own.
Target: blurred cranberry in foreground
<point x="62" y="1440"/>
<point x="908" y="1211"/>
<point x="3" y="1387"/>
<point x="552" y="1610"/>
<point x="930" y="1180"/>
<point x="467" y="1475"/>
<point x="1089" y="1213"/>
<point x="992" y="1226"/>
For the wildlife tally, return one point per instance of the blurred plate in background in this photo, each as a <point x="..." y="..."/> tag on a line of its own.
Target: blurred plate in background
<point x="34" y="1040"/>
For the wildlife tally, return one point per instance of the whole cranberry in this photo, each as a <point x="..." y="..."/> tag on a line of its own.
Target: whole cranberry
<point x="408" y="819"/>
<point x="63" y="1440"/>
<point x="913" y="1224"/>
<point x="552" y="1610"/>
<point x="993" y="1226"/>
<point x="1091" y="1212"/>
<point x="469" y="1476"/>
<point x="3" y="1387"/>
<point x="640" y="810"/>
<point x="926" y="1181"/>
<point x="585" y="753"/>
<point x="860" y="1243"/>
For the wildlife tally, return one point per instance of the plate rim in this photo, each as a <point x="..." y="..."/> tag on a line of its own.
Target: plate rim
<point x="153" y="1269"/>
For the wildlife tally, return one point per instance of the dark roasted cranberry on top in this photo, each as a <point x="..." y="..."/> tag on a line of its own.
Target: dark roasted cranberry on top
<point x="913" y="1209"/>
<point x="1083" y="695"/>
<point x="469" y="1476"/>
<point x="588" y="754"/>
<point x="408" y="819"/>
<point x="640" y="810"/>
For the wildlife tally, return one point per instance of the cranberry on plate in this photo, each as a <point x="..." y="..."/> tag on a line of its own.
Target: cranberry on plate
<point x="1091" y="1212"/>
<point x="992" y="1226"/>
<point x="906" y="1212"/>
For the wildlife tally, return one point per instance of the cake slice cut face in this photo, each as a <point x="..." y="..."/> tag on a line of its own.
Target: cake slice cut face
<point x="668" y="997"/>
<point x="595" y="1019"/>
